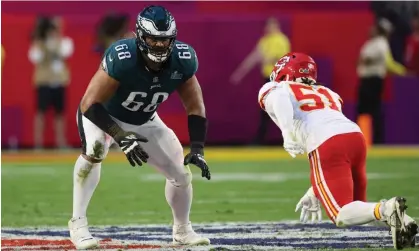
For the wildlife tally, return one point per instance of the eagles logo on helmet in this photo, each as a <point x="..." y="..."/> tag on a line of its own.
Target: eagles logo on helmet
<point x="156" y="33"/>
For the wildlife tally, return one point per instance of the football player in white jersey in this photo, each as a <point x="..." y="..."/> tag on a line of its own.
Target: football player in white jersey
<point x="311" y="120"/>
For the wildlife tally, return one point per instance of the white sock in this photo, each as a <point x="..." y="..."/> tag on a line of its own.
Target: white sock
<point x="358" y="213"/>
<point x="86" y="177"/>
<point x="180" y="200"/>
<point x="407" y="220"/>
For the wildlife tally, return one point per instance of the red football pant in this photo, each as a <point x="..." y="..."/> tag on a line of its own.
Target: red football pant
<point x="338" y="173"/>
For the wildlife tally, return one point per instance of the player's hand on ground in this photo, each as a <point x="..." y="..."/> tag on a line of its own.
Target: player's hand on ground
<point x="130" y="145"/>
<point x="292" y="147"/>
<point x="310" y="207"/>
<point x="196" y="158"/>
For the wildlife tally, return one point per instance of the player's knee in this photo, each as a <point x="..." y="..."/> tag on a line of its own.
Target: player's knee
<point x="345" y="216"/>
<point x="91" y="159"/>
<point x="184" y="179"/>
<point x="95" y="152"/>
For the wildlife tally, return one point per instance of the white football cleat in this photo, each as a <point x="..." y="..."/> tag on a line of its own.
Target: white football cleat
<point x="393" y="214"/>
<point x="80" y="235"/>
<point x="185" y="235"/>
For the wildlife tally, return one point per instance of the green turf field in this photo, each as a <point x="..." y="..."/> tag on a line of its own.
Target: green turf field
<point x="41" y="193"/>
<point x="248" y="185"/>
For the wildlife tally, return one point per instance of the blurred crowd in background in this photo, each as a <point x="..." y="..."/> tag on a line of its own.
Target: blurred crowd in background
<point x="391" y="49"/>
<point x="48" y="53"/>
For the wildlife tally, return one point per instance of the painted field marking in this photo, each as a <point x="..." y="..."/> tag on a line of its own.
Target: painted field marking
<point x="286" y="235"/>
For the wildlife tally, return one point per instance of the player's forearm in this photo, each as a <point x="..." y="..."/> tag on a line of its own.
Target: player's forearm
<point x="98" y="115"/>
<point x="198" y="110"/>
<point x="191" y="96"/>
<point x="285" y="123"/>
<point x="197" y="124"/>
<point x="197" y="127"/>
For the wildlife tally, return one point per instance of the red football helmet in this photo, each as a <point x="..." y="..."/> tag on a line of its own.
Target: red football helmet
<point x="294" y="66"/>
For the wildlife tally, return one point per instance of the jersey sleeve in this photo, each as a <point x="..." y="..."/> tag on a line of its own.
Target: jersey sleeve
<point x="190" y="64"/>
<point x="278" y="105"/>
<point x="116" y="59"/>
<point x="264" y="91"/>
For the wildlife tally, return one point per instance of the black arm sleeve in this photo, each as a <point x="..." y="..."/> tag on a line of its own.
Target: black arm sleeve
<point x="197" y="126"/>
<point x="101" y="118"/>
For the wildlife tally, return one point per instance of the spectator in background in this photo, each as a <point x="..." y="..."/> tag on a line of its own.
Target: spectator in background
<point x="273" y="45"/>
<point x="111" y="28"/>
<point x="48" y="53"/>
<point x="399" y="13"/>
<point x="374" y="61"/>
<point x="412" y="48"/>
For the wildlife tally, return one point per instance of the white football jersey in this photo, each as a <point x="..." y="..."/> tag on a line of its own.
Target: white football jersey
<point x="310" y="114"/>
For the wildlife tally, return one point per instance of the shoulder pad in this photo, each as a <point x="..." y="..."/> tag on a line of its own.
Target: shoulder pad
<point x="120" y="57"/>
<point x="184" y="56"/>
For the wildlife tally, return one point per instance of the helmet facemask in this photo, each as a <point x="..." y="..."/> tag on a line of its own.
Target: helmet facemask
<point x="154" y="44"/>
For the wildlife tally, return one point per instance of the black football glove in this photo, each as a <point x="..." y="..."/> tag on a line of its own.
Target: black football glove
<point x="196" y="157"/>
<point x="130" y="145"/>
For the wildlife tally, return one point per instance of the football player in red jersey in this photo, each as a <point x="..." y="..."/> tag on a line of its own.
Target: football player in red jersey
<point x="311" y="120"/>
